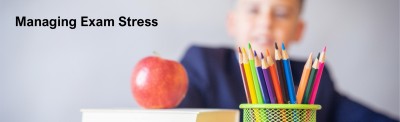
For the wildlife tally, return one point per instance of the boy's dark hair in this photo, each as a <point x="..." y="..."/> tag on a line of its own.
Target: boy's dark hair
<point x="301" y="5"/>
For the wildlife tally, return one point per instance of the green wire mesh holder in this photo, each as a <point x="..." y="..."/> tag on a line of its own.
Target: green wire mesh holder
<point x="279" y="112"/>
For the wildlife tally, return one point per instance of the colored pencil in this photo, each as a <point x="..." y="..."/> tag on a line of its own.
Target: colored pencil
<point x="311" y="79"/>
<point x="245" y="84"/>
<point x="261" y="79"/>
<point x="255" y="78"/>
<point x="264" y="82"/>
<point x="281" y="74"/>
<point x="318" y="76"/>
<point x="288" y="75"/>
<point x="268" y="79"/>
<point x="304" y="78"/>
<point x="274" y="77"/>
<point x="249" y="77"/>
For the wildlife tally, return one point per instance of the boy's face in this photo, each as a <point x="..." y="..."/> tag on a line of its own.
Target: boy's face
<point x="262" y="22"/>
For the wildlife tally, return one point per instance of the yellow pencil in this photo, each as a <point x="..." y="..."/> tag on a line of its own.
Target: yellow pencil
<point x="249" y="77"/>
<point x="304" y="79"/>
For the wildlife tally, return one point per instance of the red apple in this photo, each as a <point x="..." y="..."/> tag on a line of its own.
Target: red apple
<point x="159" y="83"/>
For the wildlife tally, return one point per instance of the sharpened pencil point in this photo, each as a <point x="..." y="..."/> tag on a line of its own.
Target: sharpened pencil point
<point x="276" y="46"/>
<point x="325" y="49"/>
<point x="283" y="46"/>
<point x="267" y="52"/>
<point x="249" y="45"/>
<point x="255" y="53"/>
<point x="240" y="51"/>
<point x="318" y="55"/>
<point x="262" y="56"/>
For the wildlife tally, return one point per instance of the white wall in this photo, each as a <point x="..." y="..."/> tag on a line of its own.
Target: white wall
<point x="48" y="75"/>
<point x="363" y="48"/>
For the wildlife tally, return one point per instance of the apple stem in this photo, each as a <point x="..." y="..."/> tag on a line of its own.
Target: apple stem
<point x="156" y="53"/>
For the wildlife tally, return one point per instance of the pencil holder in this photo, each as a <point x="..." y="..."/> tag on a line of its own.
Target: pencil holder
<point x="279" y="112"/>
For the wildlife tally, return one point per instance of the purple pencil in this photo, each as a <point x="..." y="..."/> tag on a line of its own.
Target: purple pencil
<point x="266" y="72"/>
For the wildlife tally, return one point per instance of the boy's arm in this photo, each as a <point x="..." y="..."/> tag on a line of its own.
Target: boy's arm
<point x="193" y="63"/>
<point x="344" y="109"/>
<point x="192" y="99"/>
<point x="351" y="111"/>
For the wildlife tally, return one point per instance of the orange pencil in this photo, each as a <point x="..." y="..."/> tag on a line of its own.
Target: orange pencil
<point x="275" y="80"/>
<point x="304" y="79"/>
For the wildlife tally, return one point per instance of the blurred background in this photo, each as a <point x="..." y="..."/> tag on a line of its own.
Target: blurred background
<point x="49" y="75"/>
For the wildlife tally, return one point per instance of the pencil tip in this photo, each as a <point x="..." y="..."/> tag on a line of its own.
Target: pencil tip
<point x="276" y="46"/>
<point x="318" y="55"/>
<point x="309" y="57"/>
<point x="240" y="51"/>
<point x="249" y="45"/>
<point x="325" y="49"/>
<point x="267" y="52"/>
<point x="283" y="46"/>
<point x="262" y="56"/>
<point x="255" y="53"/>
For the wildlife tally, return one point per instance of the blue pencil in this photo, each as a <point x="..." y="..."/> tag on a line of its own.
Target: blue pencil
<point x="288" y="75"/>
<point x="261" y="79"/>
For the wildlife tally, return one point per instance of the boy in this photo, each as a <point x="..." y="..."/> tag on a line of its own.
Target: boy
<point x="214" y="74"/>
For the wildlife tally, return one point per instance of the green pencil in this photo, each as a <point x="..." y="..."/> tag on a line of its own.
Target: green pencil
<point x="310" y="82"/>
<point x="255" y="77"/>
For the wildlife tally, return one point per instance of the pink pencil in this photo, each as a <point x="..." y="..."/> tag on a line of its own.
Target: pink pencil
<point x="318" y="77"/>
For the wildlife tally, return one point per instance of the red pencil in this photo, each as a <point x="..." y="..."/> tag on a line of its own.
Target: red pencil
<point x="318" y="76"/>
<point x="275" y="80"/>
